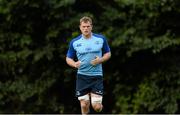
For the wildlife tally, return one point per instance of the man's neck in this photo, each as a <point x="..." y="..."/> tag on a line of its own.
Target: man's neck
<point x="87" y="36"/>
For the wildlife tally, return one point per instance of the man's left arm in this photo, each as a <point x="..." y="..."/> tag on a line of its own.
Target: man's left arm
<point x="99" y="60"/>
<point x="105" y="57"/>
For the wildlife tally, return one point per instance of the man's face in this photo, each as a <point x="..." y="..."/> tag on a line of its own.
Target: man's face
<point x="86" y="28"/>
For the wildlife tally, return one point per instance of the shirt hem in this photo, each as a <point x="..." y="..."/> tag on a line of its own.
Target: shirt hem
<point x="90" y="74"/>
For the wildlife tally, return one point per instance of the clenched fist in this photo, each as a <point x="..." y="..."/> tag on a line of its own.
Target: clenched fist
<point x="77" y="64"/>
<point x="96" y="61"/>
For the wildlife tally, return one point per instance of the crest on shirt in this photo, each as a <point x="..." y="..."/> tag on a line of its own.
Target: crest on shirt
<point x="97" y="42"/>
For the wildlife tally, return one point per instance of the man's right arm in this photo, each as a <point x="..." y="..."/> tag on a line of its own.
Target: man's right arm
<point x="72" y="63"/>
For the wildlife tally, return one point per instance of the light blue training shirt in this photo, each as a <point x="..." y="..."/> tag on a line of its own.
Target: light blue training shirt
<point x="86" y="50"/>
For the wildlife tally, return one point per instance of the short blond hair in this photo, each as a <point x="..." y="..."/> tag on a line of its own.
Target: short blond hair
<point x="86" y="19"/>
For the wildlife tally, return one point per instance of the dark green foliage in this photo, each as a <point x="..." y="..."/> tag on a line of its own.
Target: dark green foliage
<point x="141" y="77"/>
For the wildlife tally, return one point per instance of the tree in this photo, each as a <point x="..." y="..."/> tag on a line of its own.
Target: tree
<point x="143" y="76"/>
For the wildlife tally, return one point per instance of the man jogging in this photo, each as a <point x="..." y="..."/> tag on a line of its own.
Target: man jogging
<point x="91" y="51"/>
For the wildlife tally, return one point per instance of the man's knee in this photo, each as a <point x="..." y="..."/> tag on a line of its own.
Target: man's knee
<point x="84" y="100"/>
<point x="84" y="104"/>
<point x="97" y="107"/>
<point x="96" y="101"/>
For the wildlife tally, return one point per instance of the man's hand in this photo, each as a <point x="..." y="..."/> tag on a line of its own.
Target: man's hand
<point x="96" y="61"/>
<point x="77" y="64"/>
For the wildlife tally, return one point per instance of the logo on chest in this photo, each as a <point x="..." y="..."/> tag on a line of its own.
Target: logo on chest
<point x="79" y="45"/>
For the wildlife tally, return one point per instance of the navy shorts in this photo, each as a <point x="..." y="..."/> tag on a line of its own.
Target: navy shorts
<point x="86" y="84"/>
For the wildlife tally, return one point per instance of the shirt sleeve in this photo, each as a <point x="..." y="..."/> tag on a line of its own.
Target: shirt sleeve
<point x="106" y="47"/>
<point x="71" y="52"/>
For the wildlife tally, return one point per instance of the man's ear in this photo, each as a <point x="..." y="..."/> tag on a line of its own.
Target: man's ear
<point x="91" y="26"/>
